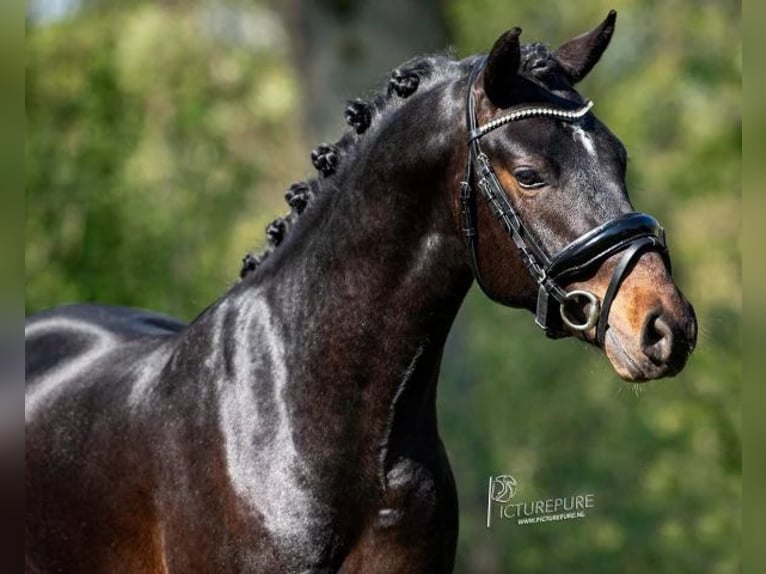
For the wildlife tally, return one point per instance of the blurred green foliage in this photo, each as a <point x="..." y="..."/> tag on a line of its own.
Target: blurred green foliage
<point x="146" y="156"/>
<point x="665" y="463"/>
<point x="158" y="147"/>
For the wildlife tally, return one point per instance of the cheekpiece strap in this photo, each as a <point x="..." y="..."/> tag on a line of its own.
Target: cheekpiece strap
<point x="633" y="233"/>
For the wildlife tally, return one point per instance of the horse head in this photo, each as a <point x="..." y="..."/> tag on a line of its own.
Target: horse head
<point x="545" y="210"/>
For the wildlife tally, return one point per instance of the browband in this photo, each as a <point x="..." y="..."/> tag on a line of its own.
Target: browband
<point x="523" y="112"/>
<point x="632" y="233"/>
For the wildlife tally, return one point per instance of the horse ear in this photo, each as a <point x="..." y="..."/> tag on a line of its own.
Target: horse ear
<point x="580" y="54"/>
<point x="502" y="65"/>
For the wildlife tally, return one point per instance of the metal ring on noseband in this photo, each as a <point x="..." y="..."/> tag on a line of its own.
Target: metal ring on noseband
<point x="593" y="312"/>
<point x="630" y="233"/>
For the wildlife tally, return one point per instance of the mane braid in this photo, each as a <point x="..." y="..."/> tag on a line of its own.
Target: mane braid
<point x="362" y="116"/>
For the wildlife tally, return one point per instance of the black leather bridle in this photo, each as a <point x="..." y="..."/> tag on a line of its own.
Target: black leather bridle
<point x="632" y="233"/>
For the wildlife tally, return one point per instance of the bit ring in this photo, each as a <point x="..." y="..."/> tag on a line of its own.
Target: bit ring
<point x="593" y="310"/>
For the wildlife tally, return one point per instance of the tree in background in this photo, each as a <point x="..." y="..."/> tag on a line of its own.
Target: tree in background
<point x="343" y="48"/>
<point x="161" y="137"/>
<point x="665" y="466"/>
<point x="152" y="142"/>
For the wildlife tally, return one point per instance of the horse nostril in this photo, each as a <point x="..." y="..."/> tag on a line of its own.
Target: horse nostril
<point x="691" y="329"/>
<point x="657" y="338"/>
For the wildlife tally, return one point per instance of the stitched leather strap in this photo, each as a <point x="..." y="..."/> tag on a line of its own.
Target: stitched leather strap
<point x="627" y="261"/>
<point x="633" y="233"/>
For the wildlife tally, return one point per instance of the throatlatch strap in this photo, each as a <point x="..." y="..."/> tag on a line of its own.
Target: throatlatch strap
<point x="634" y="232"/>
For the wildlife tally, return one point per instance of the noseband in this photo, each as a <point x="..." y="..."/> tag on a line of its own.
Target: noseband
<point x="633" y="234"/>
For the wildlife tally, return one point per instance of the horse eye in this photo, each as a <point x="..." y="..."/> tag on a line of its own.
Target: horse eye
<point x="528" y="178"/>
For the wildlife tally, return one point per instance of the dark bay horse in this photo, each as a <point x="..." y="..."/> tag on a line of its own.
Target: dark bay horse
<point x="291" y="427"/>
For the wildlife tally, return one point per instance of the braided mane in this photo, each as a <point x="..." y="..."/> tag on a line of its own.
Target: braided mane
<point x="364" y="115"/>
<point x="360" y="115"/>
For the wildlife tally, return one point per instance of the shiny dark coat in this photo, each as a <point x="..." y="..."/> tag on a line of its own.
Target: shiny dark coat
<point x="292" y="426"/>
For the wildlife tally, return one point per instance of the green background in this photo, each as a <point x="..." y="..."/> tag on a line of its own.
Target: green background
<point x="158" y="147"/>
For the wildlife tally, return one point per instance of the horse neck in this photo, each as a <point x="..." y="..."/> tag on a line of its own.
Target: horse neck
<point x="352" y="311"/>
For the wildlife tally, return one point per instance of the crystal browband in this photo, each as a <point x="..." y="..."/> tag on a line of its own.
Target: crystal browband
<point x="531" y="112"/>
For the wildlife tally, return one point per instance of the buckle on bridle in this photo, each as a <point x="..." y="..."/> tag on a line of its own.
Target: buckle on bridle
<point x="592" y="310"/>
<point x="580" y="310"/>
<point x="465" y="210"/>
